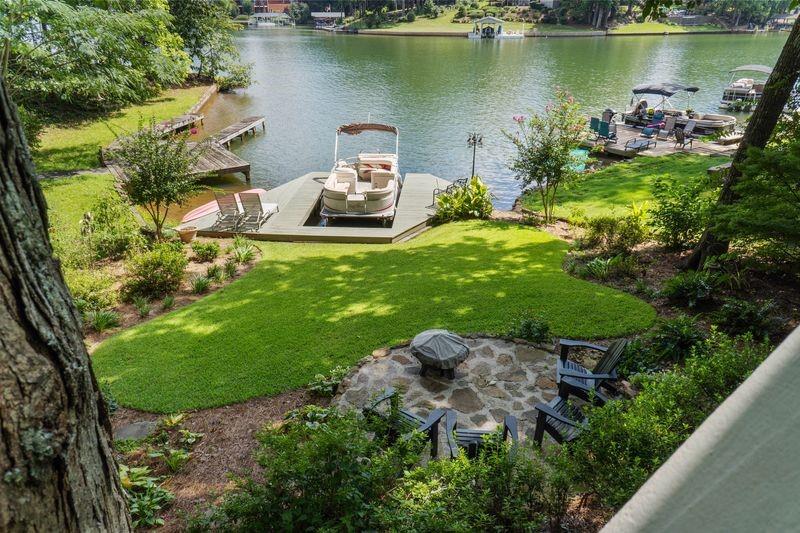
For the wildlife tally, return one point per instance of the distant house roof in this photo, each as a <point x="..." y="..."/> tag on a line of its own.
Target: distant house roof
<point x="327" y="14"/>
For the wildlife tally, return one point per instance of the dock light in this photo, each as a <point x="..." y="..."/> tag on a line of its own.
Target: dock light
<point x="474" y="141"/>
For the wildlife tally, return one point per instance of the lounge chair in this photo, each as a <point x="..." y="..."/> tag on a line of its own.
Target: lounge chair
<point x="587" y="384"/>
<point x="648" y="132"/>
<point x="594" y="125"/>
<point x="682" y="139"/>
<point x="460" y="182"/>
<point x="229" y="214"/>
<point x="401" y="422"/>
<point x="608" y="115"/>
<point x="560" y="418"/>
<point x="668" y="130"/>
<point x="689" y="128"/>
<point x="256" y="211"/>
<point x="637" y="145"/>
<point x="472" y="439"/>
<point x="607" y="131"/>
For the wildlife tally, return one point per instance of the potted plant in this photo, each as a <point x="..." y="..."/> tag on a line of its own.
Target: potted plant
<point x="690" y="113"/>
<point x="187" y="234"/>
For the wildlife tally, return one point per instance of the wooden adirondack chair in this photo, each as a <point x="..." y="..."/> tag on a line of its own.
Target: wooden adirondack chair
<point x="585" y="383"/>
<point x="472" y="439"/>
<point x="402" y="422"/>
<point x="559" y="417"/>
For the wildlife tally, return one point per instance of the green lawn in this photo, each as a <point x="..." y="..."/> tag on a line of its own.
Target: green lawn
<point x="69" y="198"/>
<point x="615" y="187"/>
<point x="661" y="27"/>
<point x="75" y="147"/>
<point x="306" y="308"/>
<point x="444" y="23"/>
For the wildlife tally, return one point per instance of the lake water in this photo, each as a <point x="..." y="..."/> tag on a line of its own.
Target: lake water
<point x="437" y="90"/>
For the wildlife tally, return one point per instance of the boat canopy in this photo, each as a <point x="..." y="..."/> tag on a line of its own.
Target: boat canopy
<point x="753" y="68"/>
<point x="358" y="127"/>
<point x="663" y="89"/>
<point x="489" y="20"/>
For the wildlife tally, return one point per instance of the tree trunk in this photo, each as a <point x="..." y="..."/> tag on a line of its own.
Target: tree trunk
<point x="759" y="130"/>
<point x="57" y="472"/>
<point x="629" y="13"/>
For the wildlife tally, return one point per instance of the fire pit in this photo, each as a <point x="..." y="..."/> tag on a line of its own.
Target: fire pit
<point x="439" y="349"/>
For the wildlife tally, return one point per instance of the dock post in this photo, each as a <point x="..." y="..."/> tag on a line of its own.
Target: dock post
<point x="247" y="176"/>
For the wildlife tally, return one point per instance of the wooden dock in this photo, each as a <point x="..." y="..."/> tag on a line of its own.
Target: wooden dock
<point x="626" y="133"/>
<point x="298" y="201"/>
<point x="240" y="129"/>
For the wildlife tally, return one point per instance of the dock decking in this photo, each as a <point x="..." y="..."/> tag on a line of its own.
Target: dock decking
<point x="240" y="129"/>
<point x="299" y="199"/>
<point x="626" y="133"/>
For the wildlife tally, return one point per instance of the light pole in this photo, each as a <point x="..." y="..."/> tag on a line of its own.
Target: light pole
<point x="474" y="141"/>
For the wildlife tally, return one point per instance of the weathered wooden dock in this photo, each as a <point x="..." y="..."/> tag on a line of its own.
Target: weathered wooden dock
<point x="298" y="202"/>
<point x="626" y="133"/>
<point x="240" y="129"/>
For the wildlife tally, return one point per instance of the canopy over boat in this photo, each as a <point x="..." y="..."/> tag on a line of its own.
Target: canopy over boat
<point x="489" y="20"/>
<point x="663" y="89"/>
<point x="359" y="127"/>
<point x="753" y="68"/>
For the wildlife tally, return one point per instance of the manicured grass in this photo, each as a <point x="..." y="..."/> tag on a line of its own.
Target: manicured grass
<point x="306" y="308"/>
<point x="616" y="186"/>
<point x="69" y="198"/>
<point x="661" y="27"/>
<point x="444" y="23"/>
<point x="76" y="146"/>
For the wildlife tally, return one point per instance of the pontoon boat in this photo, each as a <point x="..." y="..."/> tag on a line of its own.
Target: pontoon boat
<point x="643" y="113"/>
<point x="744" y="93"/>
<point x="365" y="186"/>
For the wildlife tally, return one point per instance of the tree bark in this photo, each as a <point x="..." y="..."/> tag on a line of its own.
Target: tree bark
<point x="57" y="472"/>
<point x="759" y="130"/>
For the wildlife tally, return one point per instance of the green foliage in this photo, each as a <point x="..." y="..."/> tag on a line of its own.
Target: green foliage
<point x="737" y="316"/>
<point x="101" y="320"/>
<point x="88" y="56"/>
<point x="110" y="228"/>
<point x="319" y="470"/>
<point x="168" y="302"/>
<point x="410" y="16"/>
<point x="142" y="306"/>
<point x="205" y="252"/>
<point x="215" y="273"/>
<point x="680" y="212"/>
<point x="627" y="440"/>
<point x="235" y="77"/>
<point x="617" y="234"/>
<point x="146" y="498"/>
<point x="108" y="397"/>
<point x="158" y="171"/>
<point x="619" y="266"/>
<point x="472" y="201"/>
<point x="230" y="267"/>
<point x="154" y="274"/>
<point x="326" y="385"/>
<point x="189" y="438"/>
<point x="243" y="250"/>
<point x="691" y="289"/>
<point x="200" y="284"/>
<point x="675" y="339"/>
<point x="92" y="290"/>
<point x="300" y="12"/>
<point x="544" y="160"/>
<point x="532" y="327"/>
<point x="173" y="459"/>
<point x="32" y="127"/>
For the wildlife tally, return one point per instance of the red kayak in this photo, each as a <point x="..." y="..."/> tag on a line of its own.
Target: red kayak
<point x="211" y="207"/>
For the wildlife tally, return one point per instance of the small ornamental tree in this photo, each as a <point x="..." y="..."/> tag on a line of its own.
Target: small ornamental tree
<point x="544" y="161"/>
<point x="158" y="172"/>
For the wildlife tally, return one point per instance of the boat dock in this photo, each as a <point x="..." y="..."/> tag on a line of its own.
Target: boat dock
<point x="627" y="133"/>
<point x="298" y="204"/>
<point x="240" y="129"/>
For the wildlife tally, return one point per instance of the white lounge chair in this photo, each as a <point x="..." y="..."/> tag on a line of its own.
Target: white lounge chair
<point x="229" y="214"/>
<point x="256" y="210"/>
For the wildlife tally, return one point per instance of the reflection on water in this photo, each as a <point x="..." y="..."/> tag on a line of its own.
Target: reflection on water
<point x="437" y="90"/>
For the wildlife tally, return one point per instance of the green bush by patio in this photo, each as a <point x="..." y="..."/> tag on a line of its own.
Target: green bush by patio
<point x="306" y="308"/>
<point x="615" y="187"/>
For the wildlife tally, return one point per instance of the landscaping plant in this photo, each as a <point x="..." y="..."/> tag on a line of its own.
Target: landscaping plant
<point x="326" y="385"/>
<point x="154" y="274"/>
<point x="680" y="212"/>
<point x="532" y="327"/>
<point x="215" y="273"/>
<point x="545" y="144"/>
<point x="142" y="306"/>
<point x="614" y="234"/>
<point x="691" y="289"/>
<point x="200" y="284"/>
<point x="737" y="316"/>
<point x="471" y="201"/>
<point x="102" y="320"/>
<point x="110" y="228"/>
<point x="146" y="497"/>
<point x="205" y="252"/>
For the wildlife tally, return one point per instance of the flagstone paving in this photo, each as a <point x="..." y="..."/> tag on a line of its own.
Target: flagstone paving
<point x="499" y="377"/>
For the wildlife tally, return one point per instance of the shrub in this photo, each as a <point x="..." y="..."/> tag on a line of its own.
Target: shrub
<point x="200" y="284"/>
<point x="215" y="273"/>
<point x="472" y="201"/>
<point x="146" y="498"/>
<point x="205" y="252"/>
<point x="690" y="289"/>
<point x="322" y="469"/>
<point x="676" y="338"/>
<point x="111" y="229"/>
<point x="142" y="306"/>
<point x="92" y="290"/>
<point x="531" y="327"/>
<point x="326" y="385"/>
<point x="155" y="273"/>
<point x="108" y="397"/>
<point x="680" y="213"/>
<point x="740" y="316"/>
<point x="411" y="17"/>
<point x="619" y="266"/>
<point x="230" y="268"/>
<point x="625" y="441"/>
<point x="173" y="459"/>
<point x="168" y="302"/>
<point x="102" y="320"/>
<point x="617" y="234"/>
<point x="238" y="76"/>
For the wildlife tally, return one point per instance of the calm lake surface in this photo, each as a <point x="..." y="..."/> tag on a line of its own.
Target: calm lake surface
<point x="437" y="90"/>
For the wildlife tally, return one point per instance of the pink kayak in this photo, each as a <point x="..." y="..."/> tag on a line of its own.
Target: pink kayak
<point x="211" y="207"/>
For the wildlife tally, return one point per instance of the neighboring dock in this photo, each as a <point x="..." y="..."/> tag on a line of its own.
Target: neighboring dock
<point x="627" y="133"/>
<point x="298" y="203"/>
<point x="240" y="129"/>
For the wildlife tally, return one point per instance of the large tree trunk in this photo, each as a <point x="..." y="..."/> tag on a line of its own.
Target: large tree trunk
<point x="57" y="472"/>
<point x="759" y="130"/>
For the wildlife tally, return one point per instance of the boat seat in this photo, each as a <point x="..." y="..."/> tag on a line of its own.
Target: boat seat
<point x="381" y="178"/>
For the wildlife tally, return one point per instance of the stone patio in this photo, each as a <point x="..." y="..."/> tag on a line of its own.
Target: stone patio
<point x="499" y="377"/>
